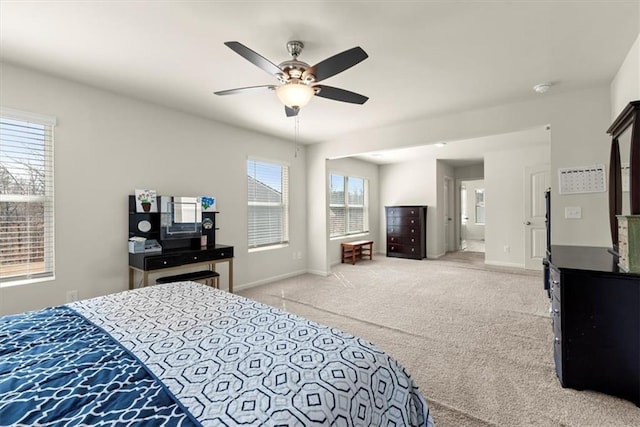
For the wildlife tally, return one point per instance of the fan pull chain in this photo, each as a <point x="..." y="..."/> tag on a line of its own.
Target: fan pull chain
<point x="296" y="134"/>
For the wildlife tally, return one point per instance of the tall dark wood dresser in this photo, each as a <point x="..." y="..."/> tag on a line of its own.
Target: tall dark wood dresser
<point x="595" y="309"/>
<point x="406" y="231"/>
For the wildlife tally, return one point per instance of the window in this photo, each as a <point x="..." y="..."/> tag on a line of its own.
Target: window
<point x="348" y="205"/>
<point x="26" y="197"/>
<point x="268" y="203"/>
<point x="480" y="207"/>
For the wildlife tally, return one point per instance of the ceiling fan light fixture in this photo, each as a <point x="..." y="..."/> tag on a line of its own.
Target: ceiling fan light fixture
<point x="542" y="87"/>
<point x="295" y="94"/>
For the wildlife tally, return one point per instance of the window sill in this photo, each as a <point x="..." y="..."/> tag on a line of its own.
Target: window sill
<point x="349" y="236"/>
<point x="268" y="248"/>
<point x="20" y="282"/>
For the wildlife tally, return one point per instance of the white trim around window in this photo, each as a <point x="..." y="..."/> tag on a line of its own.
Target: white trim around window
<point x="26" y="197"/>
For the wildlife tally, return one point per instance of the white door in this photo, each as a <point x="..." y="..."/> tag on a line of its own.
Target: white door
<point x="537" y="180"/>
<point x="448" y="212"/>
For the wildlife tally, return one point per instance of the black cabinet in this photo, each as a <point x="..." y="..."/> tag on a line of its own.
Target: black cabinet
<point x="596" y="321"/>
<point x="406" y="231"/>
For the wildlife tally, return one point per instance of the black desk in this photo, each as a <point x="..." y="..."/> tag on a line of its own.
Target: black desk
<point x="596" y="321"/>
<point x="174" y="259"/>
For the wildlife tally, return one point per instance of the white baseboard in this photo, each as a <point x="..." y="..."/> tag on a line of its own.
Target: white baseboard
<point x="319" y="272"/>
<point x="504" y="264"/>
<point x="268" y="280"/>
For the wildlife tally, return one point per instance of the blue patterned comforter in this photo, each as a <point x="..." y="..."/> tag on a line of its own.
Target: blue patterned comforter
<point x="211" y="356"/>
<point x="57" y="368"/>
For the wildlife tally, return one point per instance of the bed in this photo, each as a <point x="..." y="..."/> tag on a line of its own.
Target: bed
<point x="183" y="354"/>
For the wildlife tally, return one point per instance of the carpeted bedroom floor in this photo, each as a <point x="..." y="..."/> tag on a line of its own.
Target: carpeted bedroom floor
<point x="477" y="340"/>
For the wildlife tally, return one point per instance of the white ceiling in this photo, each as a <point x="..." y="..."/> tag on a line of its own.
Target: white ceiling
<point x="426" y="58"/>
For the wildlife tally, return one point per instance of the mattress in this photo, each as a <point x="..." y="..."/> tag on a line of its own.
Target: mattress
<point x="186" y="354"/>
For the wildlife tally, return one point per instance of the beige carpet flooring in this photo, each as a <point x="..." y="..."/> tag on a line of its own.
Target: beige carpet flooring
<point x="477" y="340"/>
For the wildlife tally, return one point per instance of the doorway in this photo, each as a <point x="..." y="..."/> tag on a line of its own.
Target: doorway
<point x="472" y="215"/>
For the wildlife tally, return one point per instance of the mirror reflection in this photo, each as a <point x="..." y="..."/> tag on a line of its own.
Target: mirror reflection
<point x="181" y="217"/>
<point x="624" y="142"/>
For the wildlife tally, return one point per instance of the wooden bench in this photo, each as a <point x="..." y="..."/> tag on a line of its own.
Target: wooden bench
<point x="210" y="278"/>
<point x="357" y="250"/>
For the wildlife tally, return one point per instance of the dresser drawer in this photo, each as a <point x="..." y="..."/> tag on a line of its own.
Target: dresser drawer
<point x="412" y="251"/>
<point x="403" y="239"/>
<point x="403" y="220"/>
<point x="554" y="284"/>
<point x="403" y="211"/>
<point x="403" y="230"/>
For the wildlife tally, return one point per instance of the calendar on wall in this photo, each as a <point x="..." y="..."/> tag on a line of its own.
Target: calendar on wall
<point x="588" y="179"/>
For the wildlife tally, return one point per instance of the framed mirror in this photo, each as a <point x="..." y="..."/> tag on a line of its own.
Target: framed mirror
<point x="624" y="167"/>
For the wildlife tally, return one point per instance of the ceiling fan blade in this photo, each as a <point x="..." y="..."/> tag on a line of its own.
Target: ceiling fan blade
<point x="336" y="64"/>
<point x="291" y="112"/>
<point x="254" y="58"/>
<point x="338" y="94"/>
<point x="244" y="89"/>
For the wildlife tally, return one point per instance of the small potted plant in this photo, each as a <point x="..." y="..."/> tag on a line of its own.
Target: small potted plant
<point x="145" y="198"/>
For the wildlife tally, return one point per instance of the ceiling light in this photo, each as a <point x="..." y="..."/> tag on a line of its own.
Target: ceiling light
<point x="542" y="87"/>
<point x="294" y="93"/>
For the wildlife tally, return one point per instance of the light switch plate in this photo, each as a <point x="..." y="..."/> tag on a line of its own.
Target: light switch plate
<point x="573" y="212"/>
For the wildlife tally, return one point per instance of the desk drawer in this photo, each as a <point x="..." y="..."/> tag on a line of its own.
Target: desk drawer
<point x="162" y="261"/>
<point x="210" y="255"/>
<point x="178" y="258"/>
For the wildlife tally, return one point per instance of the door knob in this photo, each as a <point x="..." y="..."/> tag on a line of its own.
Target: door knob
<point x="527" y="223"/>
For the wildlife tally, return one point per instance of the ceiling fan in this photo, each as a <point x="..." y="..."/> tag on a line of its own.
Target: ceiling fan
<point x="298" y="80"/>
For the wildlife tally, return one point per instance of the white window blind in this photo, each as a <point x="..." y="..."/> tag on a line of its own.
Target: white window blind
<point x="268" y="203"/>
<point x="26" y="197"/>
<point x="348" y="205"/>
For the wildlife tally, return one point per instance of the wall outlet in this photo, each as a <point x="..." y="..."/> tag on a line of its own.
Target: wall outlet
<point x="72" y="296"/>
<point x="506" y="249"/>
<point x="573" y="212"/>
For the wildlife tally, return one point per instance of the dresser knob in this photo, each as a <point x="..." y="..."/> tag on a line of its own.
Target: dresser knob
<point x="555" y="282"/>
<point x="195" y="257"/>
<point x="556" y="339"/>
<point x="222" y="254"/>
<point x="413" y="222"/>
<point x="164" y="262"/>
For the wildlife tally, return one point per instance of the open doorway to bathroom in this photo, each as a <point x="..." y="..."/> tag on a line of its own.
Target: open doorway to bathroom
<point x="472" y="215"/>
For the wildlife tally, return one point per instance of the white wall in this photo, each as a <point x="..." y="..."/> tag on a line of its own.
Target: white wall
<point x="504" y="200"/>
<point x="107" y="145"/>
<point x="470" y="172"/>
<point x="625" y="86"/>
<point x="410" y="183"/>
<point x="360" y="169"/>
<point x="579" y="121"/>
